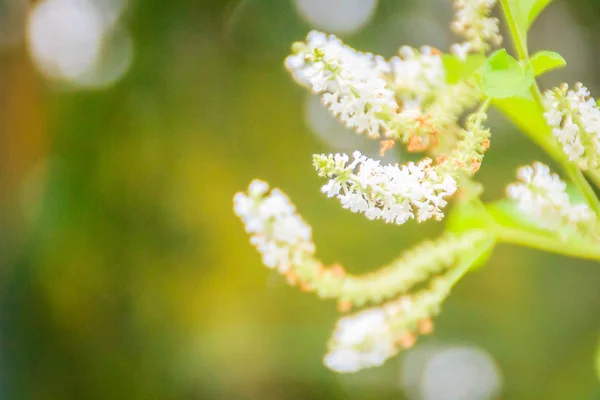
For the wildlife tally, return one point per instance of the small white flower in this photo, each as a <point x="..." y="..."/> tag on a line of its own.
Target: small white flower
<point x="350" y="83"/>
<point x="461" y="50"/>
<point x="542" y="195"/>
<point x="417" y="74"/>
<point x="257" y="188"/>
<point x="278" y="232"/>
<point x="575" y="121"/>
<point x="360" y="341"/>
<point x="473" y="22"/>
<point x="390" y="192"/>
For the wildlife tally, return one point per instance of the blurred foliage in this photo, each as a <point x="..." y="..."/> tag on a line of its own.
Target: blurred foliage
<point x="126" y="275"/>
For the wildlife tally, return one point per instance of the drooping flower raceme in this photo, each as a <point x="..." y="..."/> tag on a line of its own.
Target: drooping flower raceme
<point x="370" y="337"/>
<point x="473" y="22"/>
<point x="350" y="83"/>
<point x="542" y="195"/>
<point x="575" y="121"/>
<point x="285" y="242"/>
<point x="278" y="233"/>
<point x="390" y="192"/>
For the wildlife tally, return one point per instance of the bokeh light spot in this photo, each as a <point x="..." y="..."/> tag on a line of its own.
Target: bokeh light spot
<point x="337" y="16"/>
<point x="451" y="372"/>
<point x="75" y="41"/>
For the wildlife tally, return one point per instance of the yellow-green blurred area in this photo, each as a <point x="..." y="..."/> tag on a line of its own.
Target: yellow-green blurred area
<point x="126" y="275"/>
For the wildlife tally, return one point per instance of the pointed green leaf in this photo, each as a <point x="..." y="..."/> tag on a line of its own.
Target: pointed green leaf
<point x="504" y="77"/>
<point x="544" y="61"/>
<point x="528" y="116"/>
<point x="533" y="8"/>
<point x="525" y="13"/>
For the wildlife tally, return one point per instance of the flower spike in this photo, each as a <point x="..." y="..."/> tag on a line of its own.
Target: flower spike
<point x="542" y="194"/>
<point x="368" y="338"/>
<point x="350" y="83"/>
<point x="279" y="234"/>
<point x="575" y="120"/>
<point x="389" y="192"/>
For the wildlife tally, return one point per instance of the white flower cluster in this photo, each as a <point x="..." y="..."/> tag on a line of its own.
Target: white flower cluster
<point x="417" y="74"/>
<point x="406" y="98"/>
<point x="350" y="83"/>
<point x="473" y="22"/>
<point x="575" y="121"/>
<point x="543" y="195"/>
<point x="390" y="192"/>
<point x="278" y="233"/>
<point x="367" y="339"/>
<point x="360" y="341"/>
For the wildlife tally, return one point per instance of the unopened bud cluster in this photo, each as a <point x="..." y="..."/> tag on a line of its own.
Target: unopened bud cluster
<point x="468" y="153"/>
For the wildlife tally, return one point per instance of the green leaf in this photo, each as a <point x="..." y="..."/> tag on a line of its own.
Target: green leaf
<point x="544" y="61"/>
<point x="457" y="69"/>
<point x="525" y="13"/>
<point x="504" y="77"/>
<point x="531" y="9"/>
<point x="528" y="116"/>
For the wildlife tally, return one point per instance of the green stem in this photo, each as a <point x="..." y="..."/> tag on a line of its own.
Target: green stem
<point x="595" y="177"/>
<point x="545" y="141"/>
<point x="577" y="248"/>
<point x="465" y="264"/>
<point x="588" y="191"/>
<point x="518" y="40"/>
<point x="484" y="106"/>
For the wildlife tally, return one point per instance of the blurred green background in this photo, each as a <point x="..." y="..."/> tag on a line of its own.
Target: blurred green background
<point x="125" y="274"/>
